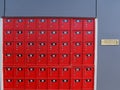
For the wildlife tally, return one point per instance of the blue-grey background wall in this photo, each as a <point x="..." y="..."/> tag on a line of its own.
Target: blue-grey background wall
<point x="108" y="14"/>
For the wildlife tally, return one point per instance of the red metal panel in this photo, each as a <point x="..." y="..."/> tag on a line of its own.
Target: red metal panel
<point x="53" y="72"/>
<point x="64" y="36"/>
<point x="88" y="24"/>
<point x="42" y="72"/>
<point x="53" y="84"/>
<point x="8" y="58"/>
<point x="65" y="24"/>
<point x="76" y="47"/>
<point x="8" y="23"/>
<point x="19" y="84"/>
<point x="53" y="47"/>
<point x="19" y="59"/>
<point x="88" y="58"/>
<point x="9" y="84"/>
<point x="42" y="84"/>
<point x="76" y="59"/>
<point x="76" y="36"/>
<point x="30" y="58"/>
<point x="30" y="23"/>
<point x="88" y="36"/>
<point x="19" y="35"/>
<point x="53" y="35"/>
<point x="76" y="84"/>
<point x="8" y="46"/>
<point x="76" y="72"/>
<point x="30" y="84"/>
<point x="77" y="24"/>
<point x="42" y="35"/>
<point x="88" y="72"/>
<point x="19" y="72"/>
<point x="30" y="35"/>
<point x="19" y="47"/>
<point x="64" y="72"/>
<point x="42" y="23"/>
<point x="64" y="47"/>
<point x="8" y="72"/>
<point x="20" y="23"/>
<point x="30" y="72"/>
<point x="53" y="59"/>
<point x="88" y="83"/>
<point x="53" y="24"/>
<point x="8" y="35"/>
<point x="30" y="47"/>
<point x="42" y="59"/>
<point x="41" y="47"/>
<point x="64" y="84"/>
<point x="64" y="59"/>
<point x="88" y="47"/>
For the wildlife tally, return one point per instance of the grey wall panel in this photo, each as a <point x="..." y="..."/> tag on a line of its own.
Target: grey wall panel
<point x="1" y="8"/>
<point x="68" y="8"/>
<point x="108" y="56"/>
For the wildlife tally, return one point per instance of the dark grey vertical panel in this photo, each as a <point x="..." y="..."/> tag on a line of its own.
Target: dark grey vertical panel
<point x="1" y="8"/>
<point x="108" y="56"/>
<point x="68" y="8"/>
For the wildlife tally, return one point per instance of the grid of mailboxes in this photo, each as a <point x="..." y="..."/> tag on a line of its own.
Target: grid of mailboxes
<point x="48" y="53"/>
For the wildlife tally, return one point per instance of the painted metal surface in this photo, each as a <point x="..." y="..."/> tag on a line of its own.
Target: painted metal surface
<point x="23" y="57"/>
<point x="62" y="8"/>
